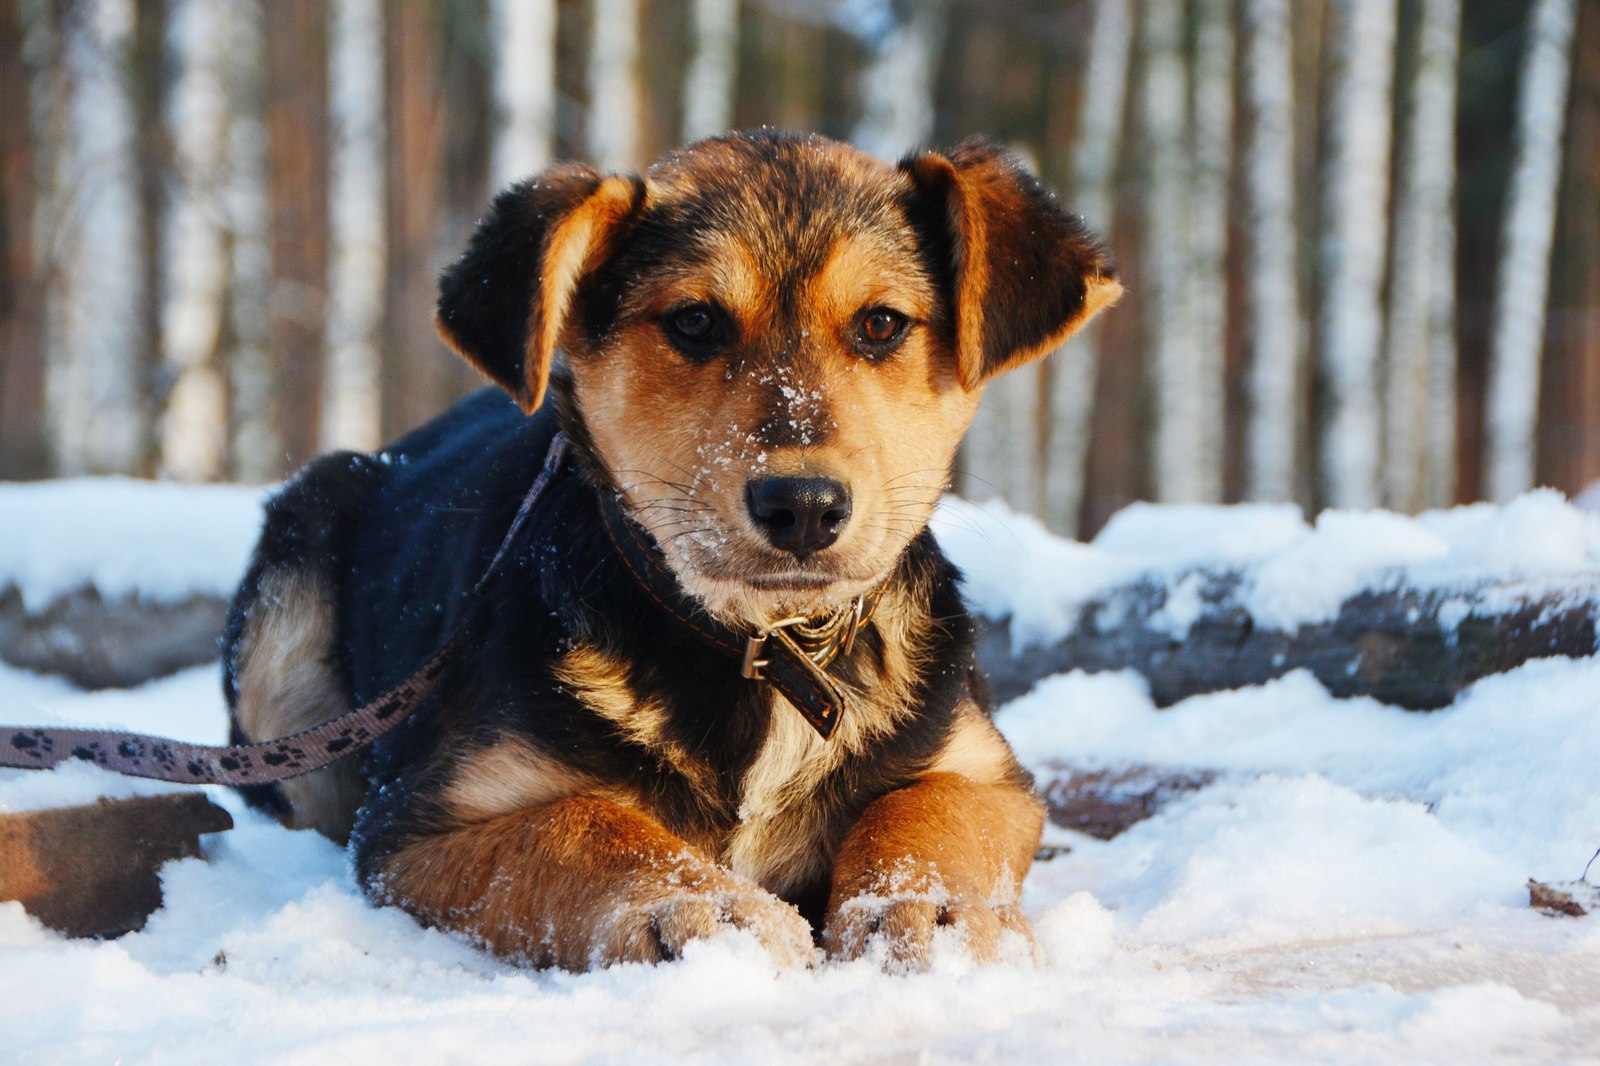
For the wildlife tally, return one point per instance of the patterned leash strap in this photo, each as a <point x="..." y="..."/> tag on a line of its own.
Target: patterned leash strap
<point x="161" y="759"/>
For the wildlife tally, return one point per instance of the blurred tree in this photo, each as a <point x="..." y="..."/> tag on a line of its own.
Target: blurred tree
<point x="1275" y="340"/>
<point x="525" y="87"/>
<point x="613" y="117"/>
<point x="295" y="38"/>
<point x="24" y="448"/>
<point x="708" y="88"/>
<point x="1527" y="232"/>
<point x="1419" y="341"/>
<point x="1353" y="228"/>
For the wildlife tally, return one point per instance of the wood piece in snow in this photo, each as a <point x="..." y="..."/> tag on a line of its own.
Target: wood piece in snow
<point x="92" y="870"/>
<point x="1571" y="898"/>
<point x="1103" y="803"/>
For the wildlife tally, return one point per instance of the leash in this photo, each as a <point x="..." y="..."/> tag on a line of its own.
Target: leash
<point x="162" y="759"/>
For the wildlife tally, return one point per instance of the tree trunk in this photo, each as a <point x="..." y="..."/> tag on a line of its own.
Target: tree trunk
<point x="898" y="84"/>
<point x="152" y="161"/>
<point x="613" y="118"/>
<point x="413" y="359"/>
<point x="295" y="36"/>
<point x="1354" y="213"/>
<point x="24" y="450"/>
<point x="1419" y="347"/>
<point x="1183" y="471"/>
<point x="1275" y="341"/>
<point x="1528" y="227"/>
<point x="351" y="416"/>
<point x="708" y="88"/>
<point x="525" y="88"/>
<point x="1211" y="123"/>
<point x="1070" y="377"/>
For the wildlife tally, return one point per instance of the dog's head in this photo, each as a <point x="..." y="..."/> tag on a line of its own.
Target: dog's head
<point x="775" y="342"/>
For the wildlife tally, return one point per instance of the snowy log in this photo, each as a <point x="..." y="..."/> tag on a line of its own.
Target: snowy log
<point x="1413" y="648"/>
<point x="109" y="642"/>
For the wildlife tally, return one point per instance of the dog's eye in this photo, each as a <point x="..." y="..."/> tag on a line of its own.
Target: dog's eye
<point x="695" y="329"/>
<point x="879" y="330"/>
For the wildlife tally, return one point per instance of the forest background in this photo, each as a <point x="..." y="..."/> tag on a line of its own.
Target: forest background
<point x="1360" y="238"/>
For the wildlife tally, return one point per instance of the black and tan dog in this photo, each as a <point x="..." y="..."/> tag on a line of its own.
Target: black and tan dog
<point x="771" y="346"/>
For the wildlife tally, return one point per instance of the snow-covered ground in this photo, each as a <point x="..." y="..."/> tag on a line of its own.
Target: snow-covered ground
<point x="1352" y="888"/>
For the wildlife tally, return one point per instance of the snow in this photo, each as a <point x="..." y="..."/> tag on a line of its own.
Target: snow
<point x="122" y="536"/>
<point x="1294" y="573"/>
<point x="1350" y="888"/>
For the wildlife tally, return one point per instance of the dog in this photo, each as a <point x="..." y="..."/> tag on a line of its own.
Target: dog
<point x="747" y="372"/>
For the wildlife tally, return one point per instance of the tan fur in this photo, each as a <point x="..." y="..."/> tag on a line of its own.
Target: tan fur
<point x="600" y="682"/>
<point x="976" y="750"/>
<point x="508" y="776"/>
<point x="287" y="684"/>
<point x="945" y="851"/>
<point x="583" y="882"/>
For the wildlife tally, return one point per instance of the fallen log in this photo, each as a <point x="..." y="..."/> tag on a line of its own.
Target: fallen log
<point x="96" y="642"/>
<point x="94" y="870"/>
<point x="1413" y="648"/>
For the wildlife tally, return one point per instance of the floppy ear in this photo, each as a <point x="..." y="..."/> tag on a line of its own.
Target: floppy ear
<point x="1024" y="274"/>
<point x="503" y="303"/>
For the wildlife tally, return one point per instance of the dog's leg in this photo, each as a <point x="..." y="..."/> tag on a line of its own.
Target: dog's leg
<point x="945" y="851"/>
<point x="581" y="883"/>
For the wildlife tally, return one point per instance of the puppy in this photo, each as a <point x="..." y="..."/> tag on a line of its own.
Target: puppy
<point x="719" y="675"/>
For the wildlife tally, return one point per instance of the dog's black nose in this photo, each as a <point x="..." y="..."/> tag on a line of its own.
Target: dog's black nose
<point x="798" y="514"/>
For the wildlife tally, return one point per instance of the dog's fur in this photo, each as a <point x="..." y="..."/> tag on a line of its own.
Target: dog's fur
<point x="590" y="782"/>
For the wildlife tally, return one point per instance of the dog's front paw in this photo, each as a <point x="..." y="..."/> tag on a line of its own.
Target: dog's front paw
<point x="906" y="926"/>
<point x="658" y="929"/>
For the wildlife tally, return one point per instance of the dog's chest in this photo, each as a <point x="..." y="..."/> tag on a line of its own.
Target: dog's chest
<point x="780" y="838"/>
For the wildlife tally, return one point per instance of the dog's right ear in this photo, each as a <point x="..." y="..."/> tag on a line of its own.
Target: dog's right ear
<point x="503" y="303"/>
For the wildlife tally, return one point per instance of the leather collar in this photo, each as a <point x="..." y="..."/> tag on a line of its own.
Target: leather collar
<point x="792" y="654"/>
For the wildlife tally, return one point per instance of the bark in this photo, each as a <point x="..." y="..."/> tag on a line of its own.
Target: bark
<point x="1414" y="648"/>
<point x="612" y="123"/>
<point x="525" y="88"/>
<point x="1419" y="347"/>
<point x="1070" y="374"/>
<point x="1275" y="341"/>
<point x="1528" y="226"/>
<point x="1354" y="213"/>
<point x="295" y="36"/>
<point x="708" y="87"/>
<point x="24" y="450"/>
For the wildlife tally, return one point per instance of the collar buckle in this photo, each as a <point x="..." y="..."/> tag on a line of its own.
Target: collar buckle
<point x="751" y="670"/>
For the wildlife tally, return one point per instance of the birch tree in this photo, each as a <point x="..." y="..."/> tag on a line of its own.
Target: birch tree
<point x="1211" y="118"/>
<point x="709" y="86"/>
<point x="1527" y="231"/>
<point x="194" y="426"/>
<point x="351" y="412"/>
<point x="898" y="83"/>
<point x="1354" y="212"/>
<point x="524" y="88"/>
<point x="1274" y="343"/>
<point x="152" y="156"/>
<point x="1070" y="372"/>
<point x="1419" y="346"/>
<point x="1183" y="471"/>
<point x="612" y="126"/>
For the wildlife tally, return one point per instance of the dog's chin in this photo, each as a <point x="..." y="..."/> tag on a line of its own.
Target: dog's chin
<point x="760" y="595"/>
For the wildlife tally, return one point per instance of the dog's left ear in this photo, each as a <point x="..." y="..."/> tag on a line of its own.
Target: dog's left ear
<point x="1025" y="274"/>
<point x="503" y="304"/>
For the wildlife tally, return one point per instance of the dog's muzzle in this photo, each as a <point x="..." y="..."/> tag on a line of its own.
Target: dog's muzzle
<point x="799" y="515"/>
